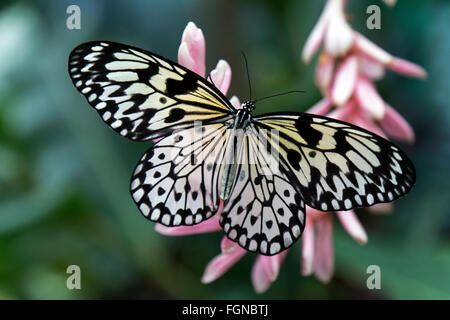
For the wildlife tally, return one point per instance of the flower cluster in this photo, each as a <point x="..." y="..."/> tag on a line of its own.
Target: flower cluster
<point x="346" y="73"/>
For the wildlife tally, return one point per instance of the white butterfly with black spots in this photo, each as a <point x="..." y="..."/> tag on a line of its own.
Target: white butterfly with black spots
<point x="264" y="169"/>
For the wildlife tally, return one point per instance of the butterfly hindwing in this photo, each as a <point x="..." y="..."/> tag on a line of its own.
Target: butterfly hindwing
<point x="142" y="95"/>
<point x="339" y="166"/>
<point x="176" y="181"/>
<point x="264" y="213"/>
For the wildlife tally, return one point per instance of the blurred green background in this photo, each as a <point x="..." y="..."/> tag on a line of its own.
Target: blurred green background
<point x="64" y="175"/>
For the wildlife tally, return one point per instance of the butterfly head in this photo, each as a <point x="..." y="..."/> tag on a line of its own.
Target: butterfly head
<point x="249" y="106"/>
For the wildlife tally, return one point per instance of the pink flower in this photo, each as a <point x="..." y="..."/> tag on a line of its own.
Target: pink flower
<point x="351" y="78"/>
<point x="265" y="271"/>
<point x="360" y="56"/>
<point x="369" y="49"/>
<point x="208" y="225"/>
<point x="191" y="53"/>
<point x="338" y="39"/>
<point x="231" y="253"/>
<point x="317" y="245"/>
<point x="332" y="30"/>
<point x="346" y="73"/>
<point x="345" y="80"/>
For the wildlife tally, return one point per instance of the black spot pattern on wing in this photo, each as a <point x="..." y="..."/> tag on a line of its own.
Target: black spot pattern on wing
<point x="311" y="135"/>
<point x="186" y="85"/>
<point x="141" y="95"/>
<point x="294" y="158"/>
<point x="175" y="115"/>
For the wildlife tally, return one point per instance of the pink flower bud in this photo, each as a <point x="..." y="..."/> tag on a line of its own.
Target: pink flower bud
<point x="265" y="271"/>
<point x="344" y="113"/>
<point x="368" y="98"/>
<point x="407" y="68"/>
<point x="308" y="248"/>
<point x="381" y="208"/>
<point x="316" y="36"/>
<point x="367" y="47"/>
<point x="191" y="53"/>
<point x="235" y="102"/>
<point x="361" y="120"/>
<point x="339" y="36"/>
<point x="345" y="80"/>
<point x="221" y="263"/>
<point x="324" y="72"/>
<point x="396" y="126"/>
<point x="209" y="225"/>
<point x="321" y="107"/>
<point x="221" y="76"/>
<point x="351" y="224"/>
<point x="226" y="245"/>
<point x="372" y="69"/>
<point x="323" y="251"/>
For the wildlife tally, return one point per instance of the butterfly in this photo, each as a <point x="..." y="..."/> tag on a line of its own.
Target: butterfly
<point x="260" y="171"/>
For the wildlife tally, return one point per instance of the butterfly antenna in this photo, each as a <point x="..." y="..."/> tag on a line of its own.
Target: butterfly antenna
<point x="279" y="94"/>
<point x="248" y="75"/>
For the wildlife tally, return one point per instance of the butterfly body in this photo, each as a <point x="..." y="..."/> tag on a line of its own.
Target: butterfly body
<point x="240" y="125"/>
<point x="265" y="169"/>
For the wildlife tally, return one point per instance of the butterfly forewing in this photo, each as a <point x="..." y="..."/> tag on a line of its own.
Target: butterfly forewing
<point x="141" y="95"/>
<point x="339" y="166"/>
